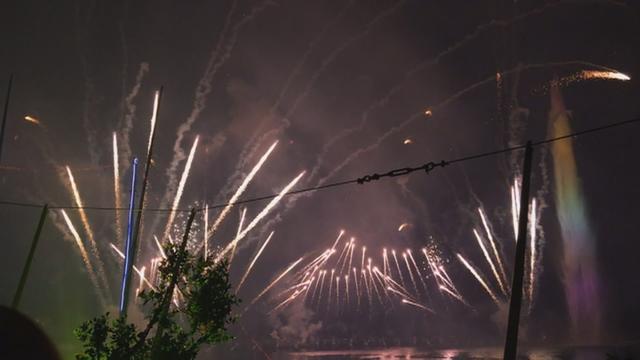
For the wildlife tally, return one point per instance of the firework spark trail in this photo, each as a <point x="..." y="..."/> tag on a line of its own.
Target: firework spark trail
<point x="373" y="284"/>
<point x="259" y="217"/>
<point x="346" y="256"/>
<point x="532" y="254"/>
<point x="322" y="262"/>
<point x="252" y="145"/>
<point x="516" y="203"/>
<point x="346" y="288"/>
<point x="381" y="280"/>
<point x="443" y="104"/>
<point x="152" y="270"/>
<point x="327" y="61"/>
<point x="89" y="231"/>
<point x="292" y="288"/>
<point x="255" y="258"/>
<point x="355" y="281"/>
<point x="315" y="263"/>
<point x="131" y="111"/>
<point x="587" y="75"/>
<point x="353" y="245"/>
<point x="442" y="278"/>
<point x="204" y="86"/>
<point x="116" y="189"/>
<point x="324" y="274"/>
<point x="286" y="301"/>
<point x="612" y="75"/>
<point x="400" y="294"/>
<point x="307" y="275"/>
<point x="413" y="280"/>
<point x="384" y="261"/>
<point x="489" y="261"/>
<point x="240" y="225"/>
<point x="447" y="279"/>
<point x="395" y="258"/>
<point x="415" y="265"/>
<point x="344" y="251"/>
<point x="283" y="274"/>
<point x="453" y="294"/>
<point x="89" y="98"/>
<point x="364" y="250"/>
<point x="394" y="284"/>
<point x="400" y="291"/>
<point x="333" y="247"/>
<point x="206" y="226"/>
<point x="409" y="302"/>
<point x="323" y="66"/>
<point x="366" y="285"/>
<point x="241" y="189"/>
<point x="409" y="75"/>
<point x="153" y="274"/>
<point x="315" y="288"/>
<point x="290" y="203"/>
<point x="299" y="66"/>
<point x="140" y="271"/>
<point x="321" y="259"/>
<point x="444" y="281"/>
<point x="183" y="181"/>
<point x="475" y="273"/>
<point x="330" y="287"/>
<point x="514" y="213"/>
<point x="432" y="266"/>
<point x="85" y="258"/>
<point x="517" y="191"/>
<point x="494" y="248"/>
<point x="337" y="294"/>
<point x="154" y="118"/>
<point x="160" y="249"/>
<point x="437" y="275"/>
<point x="31" y="119"/>
<point x="306" y="292"/>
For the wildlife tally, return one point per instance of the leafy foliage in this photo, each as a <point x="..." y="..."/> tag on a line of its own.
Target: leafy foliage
<point x="191" y="306"/>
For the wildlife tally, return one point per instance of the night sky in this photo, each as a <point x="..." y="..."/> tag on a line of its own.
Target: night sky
<point x="302" y="72"/>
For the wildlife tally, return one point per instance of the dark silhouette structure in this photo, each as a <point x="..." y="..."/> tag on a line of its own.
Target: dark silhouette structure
<point x="21" y="338"/>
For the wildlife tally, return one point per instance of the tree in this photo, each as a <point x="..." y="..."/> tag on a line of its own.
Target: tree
<point x="190" y="307"/>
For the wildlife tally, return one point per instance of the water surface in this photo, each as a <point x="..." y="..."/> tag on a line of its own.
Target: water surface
<point x="587" y="353"/>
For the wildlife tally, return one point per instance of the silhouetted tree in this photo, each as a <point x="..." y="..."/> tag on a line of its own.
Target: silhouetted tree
<point x="190" y="307"/>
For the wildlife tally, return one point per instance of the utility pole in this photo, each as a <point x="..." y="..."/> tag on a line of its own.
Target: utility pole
<point x="4" y="114"/>
<point x="27" y="264"/>
<point x="511" y="343"/>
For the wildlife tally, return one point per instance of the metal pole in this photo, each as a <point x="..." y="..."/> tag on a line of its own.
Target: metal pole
<point x="128" y="252"/>
<point x="4" y="114"/>
<point x="145" y="181"/>
<point x="511" y="343"/>
<point x="27" y="264"/>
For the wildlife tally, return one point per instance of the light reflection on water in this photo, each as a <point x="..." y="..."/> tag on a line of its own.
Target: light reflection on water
<point x="586" y="353"/>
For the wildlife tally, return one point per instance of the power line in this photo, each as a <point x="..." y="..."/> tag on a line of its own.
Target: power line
<point x="427" y="168"/>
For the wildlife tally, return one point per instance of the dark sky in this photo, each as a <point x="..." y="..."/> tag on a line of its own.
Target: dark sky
<point x="309" y="70"/>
